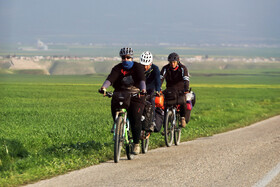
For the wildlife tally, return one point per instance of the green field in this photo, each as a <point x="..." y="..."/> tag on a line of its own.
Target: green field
<point x="50" y="125"/>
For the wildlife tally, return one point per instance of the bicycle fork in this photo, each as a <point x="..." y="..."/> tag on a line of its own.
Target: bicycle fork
<point x="174" y="117"/>
<point x="125" y="127"/>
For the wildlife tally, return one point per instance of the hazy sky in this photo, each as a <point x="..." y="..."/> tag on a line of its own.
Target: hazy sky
<point x="141" y="21"/>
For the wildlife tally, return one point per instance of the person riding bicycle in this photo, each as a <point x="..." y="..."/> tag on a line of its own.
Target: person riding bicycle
<point x="128" y="76"/>
<point x="153" y="81"/>
<point x="177" y="79"/>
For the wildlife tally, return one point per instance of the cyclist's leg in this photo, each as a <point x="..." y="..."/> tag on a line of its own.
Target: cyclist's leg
<point x="135" y="111"/>
<point x="184" y="112"/>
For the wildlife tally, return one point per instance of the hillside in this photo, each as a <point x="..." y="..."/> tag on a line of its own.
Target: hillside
<point x="89" y="65"/>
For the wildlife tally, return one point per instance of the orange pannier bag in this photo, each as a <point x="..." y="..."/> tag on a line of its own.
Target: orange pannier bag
<point x="159" y="101"/>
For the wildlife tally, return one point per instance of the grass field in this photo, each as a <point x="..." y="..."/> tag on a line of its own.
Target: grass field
<point x="50" y="125"/>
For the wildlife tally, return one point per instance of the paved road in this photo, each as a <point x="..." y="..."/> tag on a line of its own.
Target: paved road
<point x="248" y="156"/>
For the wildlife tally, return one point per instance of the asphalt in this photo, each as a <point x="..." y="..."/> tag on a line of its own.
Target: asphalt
<point x="248" y="156"/>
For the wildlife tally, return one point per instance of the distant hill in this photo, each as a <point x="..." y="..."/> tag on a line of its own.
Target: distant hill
<point x="83" y="66"/>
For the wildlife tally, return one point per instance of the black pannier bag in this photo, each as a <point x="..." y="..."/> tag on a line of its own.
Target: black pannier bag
<point x="159" y="116"/>
<point x="121" y="99"/>
<point x="174" y="97"/>
<point x="147" y="117"/>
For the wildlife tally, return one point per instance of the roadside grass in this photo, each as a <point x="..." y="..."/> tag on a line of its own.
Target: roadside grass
<point x="50" y="125"/>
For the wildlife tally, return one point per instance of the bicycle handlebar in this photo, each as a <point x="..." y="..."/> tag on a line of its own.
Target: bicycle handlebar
<point x="110" y="94"/>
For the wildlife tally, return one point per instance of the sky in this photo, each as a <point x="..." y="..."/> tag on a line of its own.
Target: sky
<point x="143" y="22"/>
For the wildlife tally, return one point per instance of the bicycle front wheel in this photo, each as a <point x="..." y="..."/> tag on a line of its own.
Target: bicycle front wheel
<point x="168" y="128"/>
<point x="177" y="130"/>
<point x="118" y="138"/>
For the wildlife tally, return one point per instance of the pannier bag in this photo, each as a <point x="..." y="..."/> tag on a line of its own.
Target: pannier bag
<point x="193" y="98"/>
<point x="121" y="99"/>
<point x="147" y="124"/>
<point x="159" y="116"/>
<point x="159" y="101"/>
<point x="173" y="97"/>
<point x="190" y="97"/>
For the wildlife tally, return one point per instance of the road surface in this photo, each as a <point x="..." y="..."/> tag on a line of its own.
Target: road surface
<point x="247" y="156"/>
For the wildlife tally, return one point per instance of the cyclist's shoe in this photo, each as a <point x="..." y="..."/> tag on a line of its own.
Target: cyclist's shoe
<point x="136" y="149"/>
<point x="183" y="122"/>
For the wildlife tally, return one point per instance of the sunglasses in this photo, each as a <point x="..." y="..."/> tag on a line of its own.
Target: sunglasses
<point x="126" y="57"/>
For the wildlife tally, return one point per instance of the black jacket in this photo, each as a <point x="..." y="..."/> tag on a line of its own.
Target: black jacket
<point x="123" y="79"/>
<point x="177" y="78"/>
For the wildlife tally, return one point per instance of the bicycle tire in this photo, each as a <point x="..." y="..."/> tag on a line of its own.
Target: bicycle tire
<point x="129" y="149"/>
<point x="145" y="145"/>
<point x="168" y="128"/>
<point x="177" y="130"/>
<point x="118" y="138"/>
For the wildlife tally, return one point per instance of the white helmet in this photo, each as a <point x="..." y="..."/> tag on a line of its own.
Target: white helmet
<point x="146" y="58"/>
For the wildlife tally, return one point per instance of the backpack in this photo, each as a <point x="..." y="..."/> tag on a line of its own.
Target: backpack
<point x="159" y="116"/>
<point x="147" y="116"/>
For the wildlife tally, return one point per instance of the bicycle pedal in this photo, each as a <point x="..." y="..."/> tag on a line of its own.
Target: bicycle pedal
<point x="147" y="136"/>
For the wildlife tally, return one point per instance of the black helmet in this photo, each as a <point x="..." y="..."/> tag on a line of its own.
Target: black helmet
<point x="126" y="51"/>
<point x="173" y="57"/>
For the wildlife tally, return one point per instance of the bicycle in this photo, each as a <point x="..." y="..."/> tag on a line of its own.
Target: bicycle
<point x="122" y="137"/>
<point x="172" y="122"/>
<point x="172" y="118"/>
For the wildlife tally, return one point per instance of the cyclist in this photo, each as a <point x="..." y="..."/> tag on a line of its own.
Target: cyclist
<point x="153" y="81"/>
<point x="177" y="79"/>
<point x="128" y="76"/>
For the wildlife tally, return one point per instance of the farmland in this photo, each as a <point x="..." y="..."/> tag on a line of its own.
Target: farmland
<point x="50" y="125"/>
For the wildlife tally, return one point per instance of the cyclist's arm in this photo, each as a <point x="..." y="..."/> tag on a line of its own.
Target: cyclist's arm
<point x="162" y="74"/>
<point x="186" y="79"/>
<point x="143" y="86"/>
<point x="141" y="77"/>
<point x="112" y="77"/>
<point x="106" y="84"/>
<point x="157" y="77"/>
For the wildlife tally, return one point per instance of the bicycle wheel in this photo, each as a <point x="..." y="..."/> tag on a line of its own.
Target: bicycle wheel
<point x="145" y="144"/>
<point x="129" y="149"/>
<point x="177" y="130"/>
<point x="128" y="142"/>
<point x="118" y="138"/>
<point x="168" y="129"/>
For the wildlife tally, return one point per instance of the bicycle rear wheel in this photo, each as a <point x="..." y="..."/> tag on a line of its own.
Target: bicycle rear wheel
<point x="177" y="130"/>
<point x="168" y="128"/>
<point x="145" y="144"/>
<point x="129" y="148"/>
<point x="118" y="138"/>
